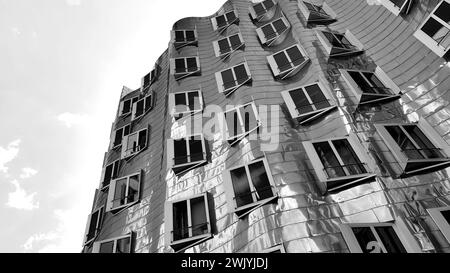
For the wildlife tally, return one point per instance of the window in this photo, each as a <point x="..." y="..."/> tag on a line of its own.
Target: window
<point x="370" y="87"/>
<point x="315" y="14"/>
<point x="224" y="47"/>
<point x="116" y="245"/>
<point x="222" y="22"/>
<point x="119" y="134"/>
<point x="134" y="143"/>
<point x="185" y="103"/>
<point x="397" y="6"/>
<point x="309" y="102"/>
<point x="230" y="79"/>
<point x="186" y="153"/>
<point x="111" y="171"/>
<point x="259" y="10"/>
<point x="337" y="44"/>
<point x="123" y="192"/>
<point x="288" y="62"/>
<point x="269" y="33"/>
<point x="249" y="186"/>
<point x="188" y="222"/>
<point x="93" y="225"/>
<point x="182" y="38"/>
<point x="240" y="122"/>
<point x="379" y="238"/>
<point x="183" y="67"/>
<point x="148" y="79"/>
<point x="441" y="216"/>
<point x="435" y="31"/>
<point x="339" y="163"/>
<point x="142" y="106"/>
<point x="125" y="106"/>
<point x="418" y="148"/>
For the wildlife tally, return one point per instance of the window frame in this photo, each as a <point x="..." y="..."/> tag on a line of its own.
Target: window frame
<point x="172" y="106"/>
<point x="96" y="246"/>
<point x="112" y="146"/>
<point x="222" y="29"/>
<point x="225" y="55"/>
<point x="116" y="168"/>
<point x="438" y="218"/>
<point x="220" y="83"/>
<point x="124" y="154"/>
<point x="150" y="95"/>
<point x="112" y="189"/>
<point x="317" y="113"/>
<point x="122" y="102"/>
<point x="238" y="138"/>
<point x="291" y="71"/>
<point x="152" y="78"/>
<point x="405" y="8"/>
<point x="179" y="45"/>
<point x="101" y="211"/>
<point x="331" y="50"/>
<point x="182" y="75"/>
<point x="262" y="37"/>
<point x="426" y="39"/>
<point x="307" y="13"/>
<point x="263" y="16"/>
<point x="180" y="169"/>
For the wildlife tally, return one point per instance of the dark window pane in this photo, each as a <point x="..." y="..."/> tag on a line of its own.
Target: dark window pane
<point x="250" y="121"/>
<point x="446" y="215"/>
<point x="259" y="9"/>
<point x="198" y="216"/>
<point x="221" y="22"/>
<point x="398" y="3"/>
<point x="269" y="32"/>
<point x="403" y="142"/>
<point x="192" y="64"/>
<point x="133" y="189"/>
<point x="233" y="123"/>
<point x="120" y="193"/>
<point x="360" y="81"/>
<point x="329" y="160"/>
<point x="377" y="86"/>
<point x="437" y="31"/>
<point x="228" y="79"/>
<point x="148" y="103"/>
<point x="282" y="61"/>
<point x="316" y="95"/>
<point x="295" y="55"/>
<point x="126" y="130"/>
<point x="123" y="245"/>
<point x="390" y="240"/>
<point x="180" y="66"/>
<point x="180" y="99"/>
<point x="443" y="12"/>
<point x="343" y="41"/>
<point x="260" y="180"/>
<point x="118" y="137"/>
<point x="139" y="108"/>
<point x="279" y="26"/>
<point x="107" y="247"/>
<point x="230" y="17"/>
<point x="196" y="149"/>
<point x="190" y="36"/>
<point x="366" y="240"/>
<point x="179" y="36"/>
<point x="108" y="175"/>
<point x="142" y="140"/>
<point x="242" y="192"/>
<point x="224" y="46"/>
<point x="146" y="79"/>
<point x="132" y="144"/>
<point x="268" y="4"/>
<point x="348" y="157"/>
<point x="301" y="102"/>
<point x="194" y="101"/>
<point x="241" y="74"/>
<point x="116" y="169"/>
<point x="235" y="42"/>
<point x="126" y="107"/>
<point x="330" y="37"/>
<point x="93" y="225"/>
<point x="180" y="221"/>
<point x="180" y="151"/>
<point x="427" y="148"/>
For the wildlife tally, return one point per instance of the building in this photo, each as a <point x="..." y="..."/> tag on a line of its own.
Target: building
<point x="356" y="157"/>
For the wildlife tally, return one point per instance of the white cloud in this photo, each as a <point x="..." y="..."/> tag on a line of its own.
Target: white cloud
<point x="8" y="154"/>
<point x="73" y="2"/>
<point x="28" y="172"/>
<point x="19" y="199"/>
<point x="71" y="119"/>
<point x="36" y="238"/>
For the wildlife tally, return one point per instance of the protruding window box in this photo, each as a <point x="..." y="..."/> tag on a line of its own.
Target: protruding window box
<point x="109" y="173"/>
<point x="124" y="192"/>
<point x="221" y="22"/>
<point x="441" y="216"/>
<point x="122" y="244"/>
<point x="288" y="62"/>
<point x="224" y="47"/>
<point x="273" y="33"/>
<point x="309" y="102"/>
<point x="230" y="79"/>
<point x="263" y="11"/>
<point x="417" y="147"/>
<point x="249" y="187"/>
<point x="370" y="88"/>
<point x="184" y="67"/>
<point x="315" y="14"/>
<point x="134" y="143"/>
<point x="142" y="106"/>
<point x="188" y="222"/>
<point x="118" y="135"/>
<point x="185" y="103"/>
<point x="93" y="225"/>
<point x="338" y="44"/>
<point x="339" y="163"/>
<point x="397" y="6"/>
<point x="125" y="106"/>
<point x="186" y="153"/>
<point x="148" y="79"/>
<point x="241" y="121"/>
<point x="181" y="38"/>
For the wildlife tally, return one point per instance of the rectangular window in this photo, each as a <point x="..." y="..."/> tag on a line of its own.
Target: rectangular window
<point x="110" y="172"/>
<point x="185" y="103"/>
<point x="270" y="32"/>
<point x="142" y="106"/>
<point x="288" y="62"/>
<point x="183" y="38"/>
<point x="441" y="216"/>
<point x="190" y="223"/>
<point x="186" y="153"/>
<point x="125" y="106"/>
<point x="397" y="6"/>
<point x="315" y="14"/>
<point x="259" y="10"/>
<point x="93" y="225"/>
<point x="116" y="245"/>
<point x="230" y="79"/>
<point x="224" y="47"/>
<point x="183" y="67"/>
<point x="222" y="22"/>
<point x="240" y="122"/>
<point x="134" y="143"/>
<point x="123" y="192"/>
<point x="435" y="31"/>
<point x="338" y="44"/>
<point x="308" y="102"/>
<point x="119" y="134"/>
<point x="249" y="186"/>
<point x="148" y="79"/>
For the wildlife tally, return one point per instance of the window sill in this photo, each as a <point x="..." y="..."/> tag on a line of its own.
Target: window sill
<point x="341" y="183"/>
<point x="428" y="165"/>
<point x="309" y="117"/>
<point x="118" y="210"/>
<point x="243" y="211"/>
<point x="183" y="244"/>
<point x="185" y="167"/>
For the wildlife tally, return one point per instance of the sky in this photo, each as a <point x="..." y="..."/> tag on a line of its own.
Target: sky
<point x="63" y="64"/>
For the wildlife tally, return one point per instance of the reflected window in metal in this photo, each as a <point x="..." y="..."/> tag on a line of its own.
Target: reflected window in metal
<point x="241" y="121"/>
<point x="378" y="239"/>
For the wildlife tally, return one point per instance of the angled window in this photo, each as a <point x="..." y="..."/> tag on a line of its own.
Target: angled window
<point x="188" y="222"/>
<point x="339" y="163"/>
<point x="338" y="44"/>
<point x="230" y="79"/>
<point x="120" y="244"/>
<point x="441" y="216"/>
<point x="110" y="172"/>
<point x="435" y="31"/>
<point x="249" y="186"/>
<point x="119" y="134"/>
<point x="271" y="32"/>
<point x="142" y="106"/>
<point x="182" y="38"/>
<point x="370" y="87"/>
<point x="260" y="10"/>
<point x="288" y="62"/>
<point x="186" y="153"/>
<point x="123" y="192"/>
<point x="418" y="148"/>
<point x="148" y="79"/>
<point x="315" y="14"/>
<point x="224" y="47"/>
<point x="134" y="143"/>
<point x="222" y="22"/>
<point x="240" y="122"/>
<point x="309" y="102"/>
<point x="184" y="67"/>
<point x="185" y="103"/>
<point x="125" y="106"/>
<point x="397" y="6"/>
<point x="93" y="225"/>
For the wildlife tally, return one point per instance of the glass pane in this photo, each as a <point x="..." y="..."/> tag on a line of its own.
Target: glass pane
<point x="234" y="127"/>
<point x="317" y="97"/>
<point x="116" y="168"/>
<point x="269" y="31"/>
<point x="142" y="140"/>
<point x="180" y="151"/>
<point x="446" y="215"/>
<point x="268" y="4"/>
<point x="403" y="142"/>
<point x="224" y="46"/>
<point x="190" y="36"/>
<point x="241" y="74"/>
<point x="180" y="103"/>
<point x="361" y="82"/>
<point x="437" y="32"/>
<point x="301" y="102"/>
<point x="330" y="37"/>
<point x="180" y="221"/>
<point x="228" y="79"/>
<point x="427" y="148"/>
<point x="377" y="87"/>
<point x="132" y="144"/>
<point x="194" y="101"/>
<point x="398" y="3"/>
<point x="93" y="226"/>
<point x="443" y="12"/>
<point x="230" y="17"/>
<point x="343" y="41"/>
<point x="221" y="22"/>
<point x="133" y="189"/>
<point x="390" y="240"/>
<point x="179" y="36"/>
<point x="107" y="247"/>
<point x="196" y="149"/>
<point x="282" y="61"/>
<point x="126" y="106"/>
<point x="248" y="114"/>
<point x="242" y="192"/>
<point x="329" y="160"/>
<point x="279" y="26"/>
<point x="120" y="193"/>
<point x="148" y="102"/>
<point x="180" y="66"/>
<point x="139" y="108"/>
<point x="235" y="42"/>
<point x="367" y="240"/>
<point x="348" y="157"/>
<point x="192" y="64"/>
<point x="126" y="130"/>
<point x="108" y="175"/>
<point x="295" y="55"/>
<point x="260" y="180"/>
<point x="259" y="9"/>
<point x="198" y="216"/>
<point x="123" y="245"/>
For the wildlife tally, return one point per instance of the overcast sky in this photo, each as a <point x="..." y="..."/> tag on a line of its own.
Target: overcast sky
<point x="62" y="67"/>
